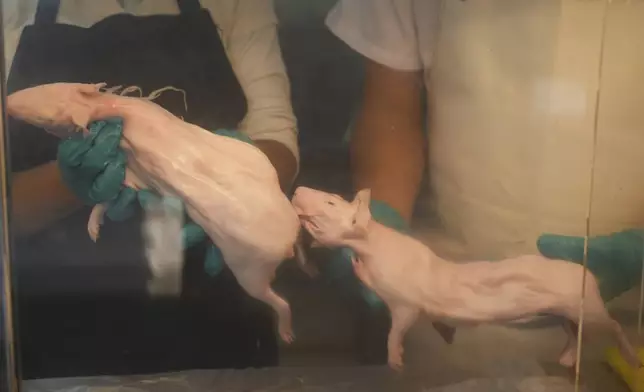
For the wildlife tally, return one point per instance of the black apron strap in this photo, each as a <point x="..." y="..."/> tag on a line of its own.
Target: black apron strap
<point x="189" y="6"/>
<point x="46" y="12"/>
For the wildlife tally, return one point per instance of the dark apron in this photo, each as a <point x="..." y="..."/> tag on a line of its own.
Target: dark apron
<point x="83" y="307"/>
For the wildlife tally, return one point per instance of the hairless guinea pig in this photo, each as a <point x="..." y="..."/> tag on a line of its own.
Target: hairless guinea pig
<point x="410" y="278"/>
<point x="229" y="187"/>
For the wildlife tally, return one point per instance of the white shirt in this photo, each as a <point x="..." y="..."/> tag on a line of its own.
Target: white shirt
<point x="513" y="88"/>
<point x="249" y="35"/>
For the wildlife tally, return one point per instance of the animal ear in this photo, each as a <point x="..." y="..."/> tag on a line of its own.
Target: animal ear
<point x="90" y="89"/>
<point x="363" y="196"/>
<point x="362" y="214"/>
<point x="81" y="120"/>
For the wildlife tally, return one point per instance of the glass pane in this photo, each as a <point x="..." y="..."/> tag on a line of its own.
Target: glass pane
<point x="8" y="371"/>
<point x="615" y="250"/>
<point x="492" y="136"/>
<point x="3" y="352"/>
<point x="4" y="347"/>
<point x="9" y="376"/>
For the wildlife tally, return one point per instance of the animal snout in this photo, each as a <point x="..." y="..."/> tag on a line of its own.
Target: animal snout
<point x="300" y="192"/>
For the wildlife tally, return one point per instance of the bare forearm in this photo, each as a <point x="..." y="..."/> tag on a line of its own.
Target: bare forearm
<point x="40" y="198"/>
<point x="388" y="145"/>
<point x="282" y="159"/>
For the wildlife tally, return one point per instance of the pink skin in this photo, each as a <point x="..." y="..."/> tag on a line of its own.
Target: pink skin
<point x="411" y="279"/>
<point x="229" y="187"/>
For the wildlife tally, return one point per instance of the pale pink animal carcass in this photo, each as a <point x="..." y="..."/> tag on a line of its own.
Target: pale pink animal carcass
<point x="410" y="278"/>
<point x="229" y="187"/>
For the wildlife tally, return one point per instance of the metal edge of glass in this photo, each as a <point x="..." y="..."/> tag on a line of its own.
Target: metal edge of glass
<point x="11" y="382"/>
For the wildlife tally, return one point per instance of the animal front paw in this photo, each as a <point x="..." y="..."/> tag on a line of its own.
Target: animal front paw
<point x="361" y="272"/>
<point x="285" y="328"/>
<point x="95" y="221"/>
<point x="93" y="228"/>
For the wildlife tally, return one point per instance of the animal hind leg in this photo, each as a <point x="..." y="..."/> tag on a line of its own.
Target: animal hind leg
<point x="627" y="349"/>
<point x="597" y="314"/>
<point x="256" y="282"/>
<point x="597" y="317"/>
<point x="283" y="310"/>
<point x="96" y="220"/>
<point x="402" y="318"/>
<point x="300" y="256"/>
<point x="568" y="356"/>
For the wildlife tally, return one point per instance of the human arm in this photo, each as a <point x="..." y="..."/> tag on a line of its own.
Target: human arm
<point x="388" y="155"/>
<point x="387" y="143"/>
<point x="387" y="152"/>
<point x="39" y="199"/>
<point x="282" y="159"/>
<point x="87" y="170"/>
<point x="249" y="34"/>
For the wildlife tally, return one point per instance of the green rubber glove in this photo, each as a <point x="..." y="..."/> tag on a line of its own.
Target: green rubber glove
<point x="93" y="166"/>
<point x="340" y="269"/>
<point x="615" y="259"/>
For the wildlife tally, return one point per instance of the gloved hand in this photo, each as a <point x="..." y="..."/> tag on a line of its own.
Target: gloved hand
<point x="340" y="269"/>
<point x="615" y="259"/>
<point x="93" y="167"/>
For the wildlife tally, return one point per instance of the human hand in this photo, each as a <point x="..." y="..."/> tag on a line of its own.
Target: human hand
<point x="615" y="259"/>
